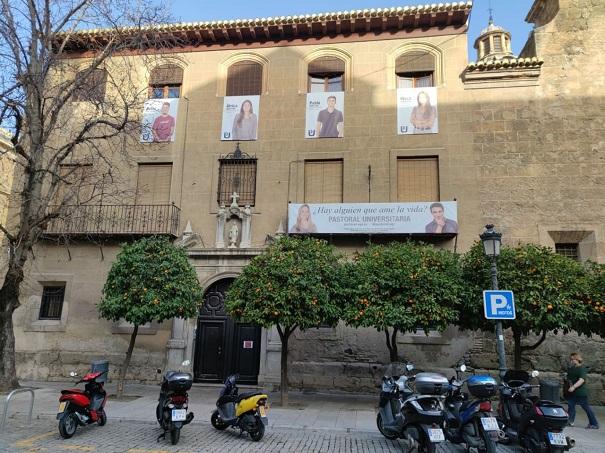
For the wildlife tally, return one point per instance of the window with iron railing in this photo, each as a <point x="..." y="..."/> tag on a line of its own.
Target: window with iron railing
<point x="569" y="250"/>
<point x="52" y="302"/>
<point x="237" y="174"/>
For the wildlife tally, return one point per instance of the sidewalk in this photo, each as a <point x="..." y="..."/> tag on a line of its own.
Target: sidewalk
<point x="307" y="411"/>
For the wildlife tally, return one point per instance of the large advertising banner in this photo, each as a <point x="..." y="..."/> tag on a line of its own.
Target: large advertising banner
<point x="159" y="120"/>
<point x="325" y="115"/>
<point x="240" y="118"/>
<point x="440" y="217"/>
<point x="417" y="111"/>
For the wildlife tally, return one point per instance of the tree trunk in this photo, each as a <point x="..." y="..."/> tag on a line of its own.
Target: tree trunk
<point x="133" y="337"/>
<point x="284" y="372"/>
<point x="392" y="344"/>
<point x="518" y="350"/>
<point x="284" y="336"/>
<point x="9" y="301"/>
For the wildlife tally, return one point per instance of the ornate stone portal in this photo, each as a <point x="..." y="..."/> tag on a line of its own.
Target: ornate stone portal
<point x="236" y="221"/>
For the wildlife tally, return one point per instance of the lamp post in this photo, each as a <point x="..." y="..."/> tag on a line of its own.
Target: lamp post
<point x="491" y="246"/>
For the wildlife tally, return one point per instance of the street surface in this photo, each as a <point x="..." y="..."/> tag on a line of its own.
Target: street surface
<point x="318" y="423"/>
<point x="140" y="437"/>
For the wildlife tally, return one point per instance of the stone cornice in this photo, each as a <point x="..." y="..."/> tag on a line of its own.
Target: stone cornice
<point x="286" y="27"/>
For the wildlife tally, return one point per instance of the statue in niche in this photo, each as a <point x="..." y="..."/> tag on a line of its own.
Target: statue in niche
<point x="233" y="235"/>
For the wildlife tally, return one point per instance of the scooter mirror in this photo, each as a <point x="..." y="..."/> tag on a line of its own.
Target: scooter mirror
<point x="186" y="363"/>
<point x="463" y="368"/>
<point x="409" y="366"/>
<point x="535" y="373"/>
<point x="73" y="373"/>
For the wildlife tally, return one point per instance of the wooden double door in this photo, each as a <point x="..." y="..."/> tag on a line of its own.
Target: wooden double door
<point x="222" y="346"/>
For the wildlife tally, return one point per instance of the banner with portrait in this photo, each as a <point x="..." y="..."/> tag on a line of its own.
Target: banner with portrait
<point x="325" y="115"/>
<point x="417" y="111"/>
<point x="240" y="118"/>
<point x="439" y="217"/>
<point x="159" y="120"/>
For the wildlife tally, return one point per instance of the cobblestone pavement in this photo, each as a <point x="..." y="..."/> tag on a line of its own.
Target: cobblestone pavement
<point x="140" y="437"/>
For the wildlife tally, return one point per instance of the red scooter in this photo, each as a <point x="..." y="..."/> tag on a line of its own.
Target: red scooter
<point x="82" y="407"/>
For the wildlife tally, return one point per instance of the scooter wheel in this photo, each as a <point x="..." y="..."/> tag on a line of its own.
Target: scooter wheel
<point x="381" y="429"/>
<point x="68" y="425"/>
<point x="175" y="434"/>
<point x="258" y="434"/>
<point x="217" y="422"/>
<point x="102" y="420"/>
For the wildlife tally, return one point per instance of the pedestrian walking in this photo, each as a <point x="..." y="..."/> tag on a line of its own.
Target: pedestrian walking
<point x="578" y="391"/>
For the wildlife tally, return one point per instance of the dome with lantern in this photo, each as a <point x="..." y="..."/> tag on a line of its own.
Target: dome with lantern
<point x="493" y="43"/>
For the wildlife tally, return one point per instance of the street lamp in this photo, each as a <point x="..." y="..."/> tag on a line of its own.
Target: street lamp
<point x="491" y="246"/>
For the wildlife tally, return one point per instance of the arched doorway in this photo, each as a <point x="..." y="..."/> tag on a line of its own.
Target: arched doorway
<point x="223" y="347"/>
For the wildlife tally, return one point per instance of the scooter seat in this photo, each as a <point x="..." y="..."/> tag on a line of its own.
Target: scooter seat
<point x="72" y="391"/>
<point x="227" y="399"/>
<point x="247" y="395"/>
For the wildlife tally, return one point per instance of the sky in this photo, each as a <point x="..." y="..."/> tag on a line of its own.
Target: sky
<point x="509" y="14"/>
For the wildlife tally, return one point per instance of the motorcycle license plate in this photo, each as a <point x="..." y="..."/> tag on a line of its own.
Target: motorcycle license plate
<point x="436" y="435"/>
<point x="489" y="423"/>
<point x="557" y="439"/>
<point x="262" y="411"/>
<point x="179" y="415"/>
<point x="62" y="406"/>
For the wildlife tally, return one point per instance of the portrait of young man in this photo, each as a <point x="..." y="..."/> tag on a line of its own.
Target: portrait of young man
<point x="330" y="121"/>
<point x="440" y="224"/>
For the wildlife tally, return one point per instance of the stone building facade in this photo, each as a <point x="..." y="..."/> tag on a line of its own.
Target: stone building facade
<point x="519" y="144"/>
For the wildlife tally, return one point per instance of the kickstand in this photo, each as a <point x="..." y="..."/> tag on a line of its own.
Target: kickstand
<point x="161" y="436"/>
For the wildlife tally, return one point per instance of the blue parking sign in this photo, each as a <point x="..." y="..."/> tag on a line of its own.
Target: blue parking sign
<point x="498" y="304"/>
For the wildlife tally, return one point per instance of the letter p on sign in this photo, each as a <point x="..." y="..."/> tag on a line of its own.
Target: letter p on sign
<point x="498" y="305"/>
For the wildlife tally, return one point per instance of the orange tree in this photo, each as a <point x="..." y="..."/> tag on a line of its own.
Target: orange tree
<point x="549" y="291"/>
<point x="151" y="280"/>
<point x="402" y="287"/>
<point x="294" y="284"/>
<point x="594" y="301"/>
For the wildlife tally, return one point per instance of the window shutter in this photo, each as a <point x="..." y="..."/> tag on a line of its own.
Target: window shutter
<point x="418" y="179"/>
<point x="415" y="61"/>
<point x="90" y="85"/>
<point x="166" y="75"/>
<point x="244" y="78"/>
<point x="326" y="66"/>
<point x="323" y="181"/>
<point x="153" y="184"/>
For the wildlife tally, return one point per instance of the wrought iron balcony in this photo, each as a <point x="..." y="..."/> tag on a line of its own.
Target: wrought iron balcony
<point x="115" y="220"/>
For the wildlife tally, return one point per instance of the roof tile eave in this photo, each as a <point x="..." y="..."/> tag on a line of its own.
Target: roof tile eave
<point x="302" y="18"/>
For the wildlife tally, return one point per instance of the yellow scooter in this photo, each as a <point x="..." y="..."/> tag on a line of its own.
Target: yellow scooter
<point x="247" y="411"/>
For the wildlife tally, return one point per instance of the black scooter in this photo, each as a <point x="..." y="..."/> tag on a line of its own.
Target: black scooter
<point x="468" y="420"/>
<point x="536" y="425"/>
<point x="171" y="411"/>
<point x="416" y="416"/>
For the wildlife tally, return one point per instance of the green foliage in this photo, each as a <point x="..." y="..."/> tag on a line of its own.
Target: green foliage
<point x="549" y="289"/>
<point x="294" y="282"/>
<point x="404" y="286"/>
<point x="151" y="280"/>
<point x="594" y="301"/>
